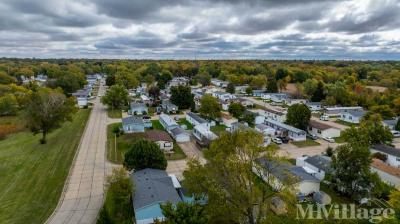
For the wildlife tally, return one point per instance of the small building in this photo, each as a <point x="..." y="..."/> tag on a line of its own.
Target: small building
<point x="225" y="104"/>
<point x="352" y="116"/>
<point x="223" y="96"/>
<point x="138" y="109"/>
<point x="336" y="111"/>
<point x="280" y="175"/>
<point x="152" y="188"/>
<point x="392" y="153"/>
<point x="274" y="114"/>
<point x="194" y="119"/>
<point x="388" y="174"/>
<point x="317" y="166"/>
<point x="133" y="124"/>
<point x="41" y="78"/>
<point x="283" y="129"/>
<point x="322" y="130"/>
<point x="264" y="129"/>
<point x="180" y="135"/>
<point x="178" y="81"/>
<point x="275" y="97"/>
<point x="203" y="134"/>
<point x="167" y="122"/>
<point x="82" y="97"/>
<point x="257" y="92"/>
<point x="161" y="138"/>
<point x="169" y="107"/>
<point x="290" y="101"/>
<point x="241" y="89"/>
<point x="228" y="120"/>
<point x="245" y="102"/>
<point x="314" y="106"/>
<point x="219" y="83"/>
<point x="238" y="125"/>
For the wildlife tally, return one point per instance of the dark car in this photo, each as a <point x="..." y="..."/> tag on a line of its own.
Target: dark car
<point x="284" y="139"/>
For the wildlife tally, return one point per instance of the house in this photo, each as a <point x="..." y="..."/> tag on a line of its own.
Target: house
<point x="219" y="83"/>
<point x="152" y="188"/>
<point x="257" y="92"/>
<point x="227" y="119"/>
<point x="393" y="154"/>
<point x="133" y="124"/>
<point x="167" y="122"/>
<point x="264" y="129"/>
<point x="391" y="124"/>
<point x="194" y="119"/>
<point x="203" y="134"/>
<point x="91" y="79"/>
<point x="290" y="101"/>
<point x="388" y="174"/>
<point x="316" y="166"/>
<point x="279" y="175"/>
<point x="169" y="107"/>
<point x="180" y="135"/>
<point x="283" y="129"/>
<point x="161" y="138"/>
<point x="241" y="89"/>
<point x="82" y="97"/>
<point x="245" y="102"/>
<point x="275" y="97"/>
<point x="41" y="78"/>
<point x="138" y="108"/>
<point x="145" y="99"/>
<point x="322" y="130"/>
<point x="223" y="96"/>
<point x="314" y="106"/>
<point x="336" y="111"/>
<point x="238" y="125"/>
<point x="178" y="81"/>
<point x="352" y="116"/>
<point x="271" y="113"/>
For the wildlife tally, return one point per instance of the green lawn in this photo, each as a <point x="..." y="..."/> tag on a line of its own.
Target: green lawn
<point x="339" y="139"/>
<point x="345" y="123"/>
<point x="336" y="198"/>
<point x="217" y="129"/>
<point x="33" y="175"/>
<point x="114" y="113"/>
<point x="305" y="143"/>
<point x="185" y="122"/>
<point x="157" y="125"/>
<point x="125" y="141"/>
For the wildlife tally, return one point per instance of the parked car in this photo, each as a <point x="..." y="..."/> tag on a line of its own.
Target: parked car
<point x="277" y="140"/>
<point x="324" y="118"/>
<point x="284" y="139"/>
<point x="312" y="136"/>
<point x="329" y="139"/>
<point x="395" y="133"/>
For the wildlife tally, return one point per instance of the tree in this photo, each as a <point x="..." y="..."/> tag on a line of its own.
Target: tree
<point x="184" y="213"/>
<point x="145" y="154"/>
<point x="385" y="111"/>
<point x="8" y="105"/>
<point x="236" y="109"/>
<point x="394" y="201"/>
<point x="319" y="93"/>
<point x="233" y="193"/>
<point x="300" y="76"/>
<point x="163" y="79"/>
<point x="248" y="118"/>
<point x="118" y="207"/>
<point x="70" y="83"/>
<point x="249" y="90"/>
<point x="397" y="127"/>
<point x="6" y="79"/>
<point x="204" y="79"/>
<point x="272" y="86"/>
<point x="310" y="86"/>
<point x="154" y="92"/>
<point x="181" y="96"/>
<point x="376" y="132"/>
<point x="210" y="107"/>
<point x="298" y="116"/>
<point x="281" y="73"/>
<point x="116" y="97"/>
<point x="230" y="88"/>
<point x="47" y="110"/>
<point x="351" y="170"/>
<point x="110" y="80"/>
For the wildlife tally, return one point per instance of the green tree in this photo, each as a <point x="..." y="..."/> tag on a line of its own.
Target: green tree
<point x="204" y="79"/>
<point x="249" y="90"/>
<point x="230" y="88"/>
<point x="385" y="111"/>
<point x="8" y="105"/>
<point x="116" y="97"/>
<point x="397" y="127"/>
<point x="181" y="96"/>
<point x="319" y="93"/>
<point x="300" y="76"/>
<point x="70" y="83"/>
<point x="184" y="213"/>
<point x="145" y="154"/>
<point x="110" y="79"/>
<point x="154" y="92"/>
<point x="234" y="194"/>
<point x="47" y="110"/>
<point x="6" y="79"/>
<point x="163" y="79"/>
<point x="310" y="86"/>
<point x="351" y="170"/>
<point x="210" y="107"/>
<point x="298" y="116"/>
<point x="236" y="109"/>
<point x="281" y="73"/>
<point x="394" y="201"/>
<point x="272" y="86"/>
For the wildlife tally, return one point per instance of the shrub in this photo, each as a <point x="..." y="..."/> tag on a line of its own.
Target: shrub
<point x="145" y="154"/>
<point x="380" y="156"/>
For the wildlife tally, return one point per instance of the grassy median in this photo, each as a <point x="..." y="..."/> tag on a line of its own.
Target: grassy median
<point x="32" y="175"/>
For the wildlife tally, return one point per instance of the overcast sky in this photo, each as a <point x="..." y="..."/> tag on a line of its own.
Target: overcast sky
<point x="203" y="29"/>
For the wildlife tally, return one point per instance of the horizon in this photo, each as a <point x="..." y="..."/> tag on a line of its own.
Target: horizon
<point x="345" y="30"/>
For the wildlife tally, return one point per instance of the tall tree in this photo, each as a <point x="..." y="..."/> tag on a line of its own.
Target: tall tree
<point x="47" y="110"/>
<point x="210" y="107"/>
<point x="298" y="116"/>
<point x="319" y="93"/>
<point x="236" y="109"/>
<point x="154" y="92"/>
<point x="272" y="86"/>
<point x="116" y="97"/>
<point x="230" y="88"/>
<point x="182" y="96"/>
<point x="145" y="154"/>
<point x="184" y="213"/>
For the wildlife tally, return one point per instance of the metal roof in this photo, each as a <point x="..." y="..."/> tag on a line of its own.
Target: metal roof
<point x="321" y="162"/>
<point x="153" y="186"/>
<point x="284" y="126"/>
<point x="387" y="149"/>
<point x="196" y="117"/>
<point x="132" y="120"/>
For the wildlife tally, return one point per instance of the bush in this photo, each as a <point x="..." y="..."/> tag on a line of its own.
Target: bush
<point x="7" y="129"/>
<point x="380" y="156"/>
<point x="145" y="154"/>
<point x="329" y="151"/>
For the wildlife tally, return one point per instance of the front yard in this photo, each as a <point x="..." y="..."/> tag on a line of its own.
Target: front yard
<point x="306" y="143"/>
<point x="114" y="113"/>
<point x="118" y="146"/>
<point x="183" y="121"/>
<point x="218" y="129"/>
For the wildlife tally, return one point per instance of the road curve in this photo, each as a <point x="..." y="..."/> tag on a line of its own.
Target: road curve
<point x="83" y="193"/>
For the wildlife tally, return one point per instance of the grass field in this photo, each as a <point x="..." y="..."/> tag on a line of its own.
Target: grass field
<point x="345" y="123"/>
<point x="217" y="129"/>
<point x="185" y="122"/>
<point x="114" y="113"/>
<point x="125" y="142"/>
<point x="305" y="143"/>
<point x="33" y="175"/>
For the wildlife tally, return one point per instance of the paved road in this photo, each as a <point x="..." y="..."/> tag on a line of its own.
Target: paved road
<point x="83" y="192"/>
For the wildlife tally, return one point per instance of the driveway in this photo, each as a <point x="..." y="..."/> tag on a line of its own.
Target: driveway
<point x="341" y="127"/>
<point x="293" y="151"/>
<point x="83" y="192"/>
<point x="177" y="167"/>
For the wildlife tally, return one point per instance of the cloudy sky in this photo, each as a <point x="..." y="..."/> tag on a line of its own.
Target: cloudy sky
<point x="203" y="29"/>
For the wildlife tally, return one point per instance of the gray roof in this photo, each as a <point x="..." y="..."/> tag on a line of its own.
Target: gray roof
<point x="387" y="149"/>
<point x="132" y="120"/>
<point x="356" y="113"/>
<point x="81" y="93"/>
<point x="392" y="122"/>
<point x="153" y="186"/>
<point x="262" y="126"/>
<point x="177" y="131"/>
<point x="196" y="117"/>
<point x="286" y="171"/>
<point x="285" y="126"/>
<point x="138" y="105"/>
<point x="321" y="162"/>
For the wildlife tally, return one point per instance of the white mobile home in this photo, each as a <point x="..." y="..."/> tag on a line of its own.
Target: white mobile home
<point x="393" y="154"/>
<point x="317" y="166"/>
<point x="293" y="133"/>
<point x="322" y="130"/>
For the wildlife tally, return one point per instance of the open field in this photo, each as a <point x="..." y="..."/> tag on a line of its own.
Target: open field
<point x="33" y="175"/>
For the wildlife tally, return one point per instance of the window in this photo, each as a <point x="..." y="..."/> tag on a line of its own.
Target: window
<point x="397" y="159"/>
<point x="319" y="131"/>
